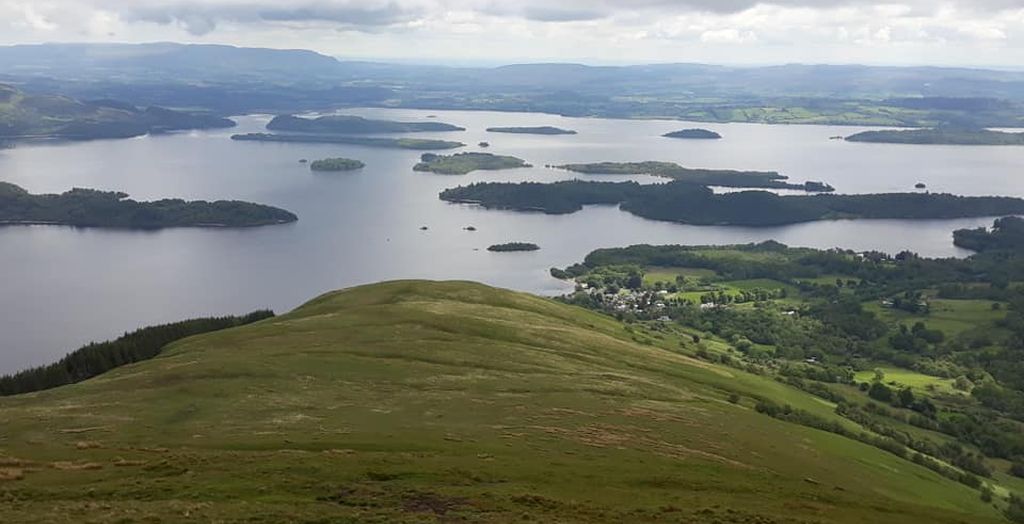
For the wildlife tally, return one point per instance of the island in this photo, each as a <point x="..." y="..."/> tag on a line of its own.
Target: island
<point x="709" y="177"/>
<point x="940" y="136"/>
<point x="398" y="143"/>
<point x="920" y="185"/>
<point x="694" y="134"/>
<point x="92" y="208"/>
<point x="336" y="164"/>
<point x="464" y="163"/>
<point x="1007" y="234"/>
<point x="539" y="130"/>
<point x="484" y="144"/>
<point x="354" y="125"/>
<point x="698" y="205"/>
<point x="513" y="246"/>
<point x="36" y="116"/>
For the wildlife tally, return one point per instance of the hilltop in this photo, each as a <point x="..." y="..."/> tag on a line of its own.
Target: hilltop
<point x="423" y="401"/>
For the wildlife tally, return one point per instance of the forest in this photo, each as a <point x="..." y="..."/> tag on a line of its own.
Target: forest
<point x="93" y="208"/>
<point x="947" y="135"/>
<point x="97" y="358"/>
<point x="420" y="144"/>
<point x="336" y="164"/>
<point x="689" y="203"/>
<point x="707" y="177"/>
<point x="464" y="163"/>
<point x="352" y="125"/>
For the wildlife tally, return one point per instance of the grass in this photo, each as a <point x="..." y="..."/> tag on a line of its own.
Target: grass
<point x="918" y="382"/>
<point x="668" y="274"/>
<point x="952" y="317"/>
<point x="425" y="402"/>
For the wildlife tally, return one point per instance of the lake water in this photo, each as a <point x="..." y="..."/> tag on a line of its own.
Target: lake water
<point x="61" y="287"/>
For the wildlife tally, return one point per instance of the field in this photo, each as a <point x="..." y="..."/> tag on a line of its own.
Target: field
<point x="444" y="402"/>
<point x="952" y="317"/>
<point x="920" y="383"/>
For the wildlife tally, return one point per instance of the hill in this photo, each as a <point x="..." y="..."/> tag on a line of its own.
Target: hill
<point x="24" y="115"/>
<point x="417" y="401"/>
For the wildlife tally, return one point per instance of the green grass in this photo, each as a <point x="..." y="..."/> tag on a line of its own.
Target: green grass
<point x="952" y="317"/>
<point x="453" y="402"/>
<point x="668" y="274"/>
<point x="919" y="382"/>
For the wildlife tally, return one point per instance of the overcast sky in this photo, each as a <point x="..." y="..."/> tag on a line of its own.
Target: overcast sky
<point x="955" y="32"/>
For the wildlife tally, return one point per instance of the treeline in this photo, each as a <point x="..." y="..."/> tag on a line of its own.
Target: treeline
<point x="707" y="177"/>
<point x="97" y="358"/>
<point x="942" y="135"/>
<point x="1006" y="234"/>
<point x="347" y="124"/>
<point x="92" y="208"/>
<point x="690" y="203"/>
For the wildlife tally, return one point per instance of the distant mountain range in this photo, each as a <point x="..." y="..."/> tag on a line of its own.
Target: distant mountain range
<point x="233" y="80"/>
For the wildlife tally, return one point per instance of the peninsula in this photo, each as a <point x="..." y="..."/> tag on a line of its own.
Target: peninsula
<point x="92" y="208"/>
<point x="36" y="116"/>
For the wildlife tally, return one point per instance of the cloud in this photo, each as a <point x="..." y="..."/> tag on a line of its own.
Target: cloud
<point x="504" y="30"/>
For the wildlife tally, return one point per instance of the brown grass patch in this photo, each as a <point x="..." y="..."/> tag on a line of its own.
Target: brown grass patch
<point x="88" y="444"/>
<point x="11" y="474"/>
<point x="75" y="466"/>
<point x="122" y="463"/>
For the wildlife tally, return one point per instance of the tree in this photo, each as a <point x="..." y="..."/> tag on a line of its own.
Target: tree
<point x="880" y="392"/>
<point x="905" y="397"/>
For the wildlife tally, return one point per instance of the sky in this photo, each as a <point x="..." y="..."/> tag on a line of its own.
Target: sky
<point x="988" y="33"/>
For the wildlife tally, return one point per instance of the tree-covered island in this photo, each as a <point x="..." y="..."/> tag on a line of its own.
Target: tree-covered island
<point x="419" y="144"/>
<point x="695" y="204"/>
<point x="694" y="134"/>
<point x="708" y="177"/>
<point x="92" y="208"/>
<point x="1007" y="234"/>
<point x="354" y="125"/>
<point x="336" y="164"/>
<point x="948" y="135"/>
<point x="464" y="163"/>
<point x="509" y="247"/>
<point x="539" y="130"/>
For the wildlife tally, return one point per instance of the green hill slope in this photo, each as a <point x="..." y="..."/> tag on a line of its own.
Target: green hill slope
<point x="420" y="402"/>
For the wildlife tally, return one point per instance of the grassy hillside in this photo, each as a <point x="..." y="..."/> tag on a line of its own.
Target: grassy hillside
<point x="420" y="402"/>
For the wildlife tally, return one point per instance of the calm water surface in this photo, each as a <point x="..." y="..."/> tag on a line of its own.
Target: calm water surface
<point x="62" y="287"/>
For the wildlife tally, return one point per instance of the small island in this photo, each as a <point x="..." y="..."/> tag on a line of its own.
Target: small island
<point x="484" y="144"/>
<point x="354" y="125"/>
<point x="698" y="205"/>
<point x="709" y="177"/>
<point x="694" y="134"/>
<point x="464" y="163"/>
<point x="336" y="164"/>
<point x="92" y="208"/>
<point x="513" y="246"/>
<point x="419" y="144"/>
<point x="920" y="185"/>
<point x="948" y="135"/>
<point x="539" y="130"/>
